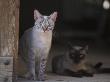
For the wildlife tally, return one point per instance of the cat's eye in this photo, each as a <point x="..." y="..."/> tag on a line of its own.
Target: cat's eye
<point x="72" y="54"/>
<point x="83" y="51"/>
<point x="41" y="17"/>
<point x="48" y="17"/>
<point x="40" y="22"/>
<point x="81" y="55"/>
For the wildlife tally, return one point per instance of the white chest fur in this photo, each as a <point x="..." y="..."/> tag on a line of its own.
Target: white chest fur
<point x="41" y="38"/>
<point x="37" y="39"/>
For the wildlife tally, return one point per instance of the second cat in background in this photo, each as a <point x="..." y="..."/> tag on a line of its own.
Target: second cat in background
<point x="73" y="63"/>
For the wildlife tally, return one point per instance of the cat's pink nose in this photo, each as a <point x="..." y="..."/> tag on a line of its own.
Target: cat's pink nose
<point x="44" y="29"/>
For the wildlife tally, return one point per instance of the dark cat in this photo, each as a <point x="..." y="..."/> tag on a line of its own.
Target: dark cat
<point x="74" y="63"/>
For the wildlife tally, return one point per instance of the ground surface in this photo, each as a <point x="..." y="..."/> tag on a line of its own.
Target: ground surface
<point x="98" y="51"/>
<point x="56" y="78"/>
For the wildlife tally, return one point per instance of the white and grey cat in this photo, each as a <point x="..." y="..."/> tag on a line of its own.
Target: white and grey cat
<point x="35" y="45"/>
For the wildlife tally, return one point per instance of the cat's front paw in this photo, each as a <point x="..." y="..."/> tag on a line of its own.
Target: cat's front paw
<point x="89" y="75"/>
<point x="30" y="76"/>
<point x="42" y="77"/>
<point x="77" y="75"/>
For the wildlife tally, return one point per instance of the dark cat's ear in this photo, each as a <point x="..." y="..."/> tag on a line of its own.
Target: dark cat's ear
<point x="86" y="47"/>
<point x="53" y="16"/>
<point x="84" y="50"/>
<point x="70" y="46"/>
<point x="36" y="14"/>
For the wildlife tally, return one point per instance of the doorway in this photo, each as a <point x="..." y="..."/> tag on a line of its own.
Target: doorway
<point x="76" y="24"/>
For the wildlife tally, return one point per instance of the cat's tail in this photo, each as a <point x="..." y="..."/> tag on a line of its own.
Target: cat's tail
<point x="100" y="69"/>
<point x="104" y="70"/>
<point x="54" y="65"/>
<point x="98" y="65"/>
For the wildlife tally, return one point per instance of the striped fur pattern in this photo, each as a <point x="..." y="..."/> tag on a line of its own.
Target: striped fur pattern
<point x="35" y="45"/>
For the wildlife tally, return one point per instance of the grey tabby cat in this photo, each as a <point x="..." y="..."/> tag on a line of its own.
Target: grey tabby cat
<point x="35" y="45"/>
<point x="74" y="63"/>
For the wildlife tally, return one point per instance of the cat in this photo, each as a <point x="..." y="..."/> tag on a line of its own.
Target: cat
<point x="74" y="63"/>
<point x="35" y="45"/>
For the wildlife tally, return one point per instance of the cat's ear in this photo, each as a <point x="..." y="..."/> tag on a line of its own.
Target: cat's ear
<point x="36" y="14"/>
<point x="86" y="47"/>
<point x="53" y="16"/>
<point x="85" y="50"/>
<point x="70" y="46"/>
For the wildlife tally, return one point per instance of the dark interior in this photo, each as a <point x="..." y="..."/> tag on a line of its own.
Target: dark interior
<point x="81" y="22"/>
<point x="85" y="16"/>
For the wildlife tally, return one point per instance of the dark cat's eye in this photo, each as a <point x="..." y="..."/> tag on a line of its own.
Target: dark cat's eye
<point x="82" y="55"/>
<point x="71" y="55"/>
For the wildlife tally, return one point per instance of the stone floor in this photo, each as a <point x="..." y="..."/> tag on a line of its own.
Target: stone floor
<point x="57" y="78"/>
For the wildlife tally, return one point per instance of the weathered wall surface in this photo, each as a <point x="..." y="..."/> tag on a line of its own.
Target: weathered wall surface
<point x="9" y="23"/>
<point x="6" y="65"/>
<point x="8" y="28"/>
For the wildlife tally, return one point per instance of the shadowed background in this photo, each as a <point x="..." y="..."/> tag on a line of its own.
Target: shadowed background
<point x="81" y="22"/>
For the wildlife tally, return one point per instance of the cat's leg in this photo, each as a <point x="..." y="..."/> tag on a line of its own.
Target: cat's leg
<point x="31" y="66"/>
<point x="42" y="66"/>
<point x="68" y="72"/>
<point x="86" y="73"/>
